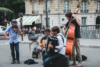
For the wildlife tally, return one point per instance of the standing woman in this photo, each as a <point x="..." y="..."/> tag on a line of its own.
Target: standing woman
<point x="24" y="30"/>
<point x="30" y="31"/>
<point x="33" y="31"/>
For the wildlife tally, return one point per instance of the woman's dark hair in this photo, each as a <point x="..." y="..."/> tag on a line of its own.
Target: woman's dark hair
<point x="47" y="30"/>
<point x="55" y="28"/>
<point x="69" y="14"/>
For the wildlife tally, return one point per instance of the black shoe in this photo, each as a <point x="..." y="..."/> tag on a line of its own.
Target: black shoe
<point x="18" y="62"/>
<point x="13" y="62"/>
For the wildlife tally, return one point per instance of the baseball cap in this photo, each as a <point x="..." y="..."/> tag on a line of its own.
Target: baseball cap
<point x="14" y="22"/>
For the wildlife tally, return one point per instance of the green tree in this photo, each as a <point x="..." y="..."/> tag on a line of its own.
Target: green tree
<point x="15" y="5"/>
<point x="8" y="12"/>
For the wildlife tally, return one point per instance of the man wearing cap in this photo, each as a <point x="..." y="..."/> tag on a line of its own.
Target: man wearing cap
<point x="13" y="40"/>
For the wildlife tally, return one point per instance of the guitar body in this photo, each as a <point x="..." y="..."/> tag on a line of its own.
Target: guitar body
<point x="70" y="41"/>
<point x="71" y="36"/>
<point x="44" y="44"/>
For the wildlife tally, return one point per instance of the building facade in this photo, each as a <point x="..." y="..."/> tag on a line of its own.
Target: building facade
<point x="88" y="15"/>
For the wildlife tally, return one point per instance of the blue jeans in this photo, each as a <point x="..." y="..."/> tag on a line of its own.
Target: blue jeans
<point x="33" y="33"/>
<point x="49" y="58"/>
<point x="13" y="47"/>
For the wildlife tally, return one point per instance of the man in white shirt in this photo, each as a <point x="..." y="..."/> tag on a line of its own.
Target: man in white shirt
<point x="61" y="43"/>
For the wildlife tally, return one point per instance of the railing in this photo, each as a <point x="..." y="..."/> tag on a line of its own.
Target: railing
<point x="35" y="12"/>
<point x="84" y="11"/>
<point x="97" y="11"/>
<point x="67" y="11"/>
<point x="90" y="32"/>
<point x="44" y="11"/>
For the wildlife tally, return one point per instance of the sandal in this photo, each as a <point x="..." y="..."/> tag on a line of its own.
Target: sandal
<point x="79" y="65"/>
<point x="72" y="64"/>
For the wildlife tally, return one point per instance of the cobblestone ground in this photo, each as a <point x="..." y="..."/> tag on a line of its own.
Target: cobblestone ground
<point x="93" y="55"/>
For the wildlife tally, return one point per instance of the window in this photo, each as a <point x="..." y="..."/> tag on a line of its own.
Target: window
<point x="48" y="22"/>
<point x="66" y="6"/>
<point x="35" y="7"/>
<point x="83" y="20"/>
<point x="62" y="19"/>
<point x="98" y="6"/>
<point x="84" y="6"/>
<point x="48" y="6"/>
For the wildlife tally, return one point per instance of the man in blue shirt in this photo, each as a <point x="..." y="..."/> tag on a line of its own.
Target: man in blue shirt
<point x="13" y="40"/>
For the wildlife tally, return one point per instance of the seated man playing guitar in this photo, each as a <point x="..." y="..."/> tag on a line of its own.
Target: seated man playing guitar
<point x="59" y="50"/>
<point x="43" y="40"/>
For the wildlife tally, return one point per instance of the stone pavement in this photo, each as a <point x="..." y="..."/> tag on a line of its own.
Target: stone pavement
<point x="91" y="43"/>
<point x="93" y="55"/>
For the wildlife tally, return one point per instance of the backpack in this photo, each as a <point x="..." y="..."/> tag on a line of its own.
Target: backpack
<point x="83" y="57"/>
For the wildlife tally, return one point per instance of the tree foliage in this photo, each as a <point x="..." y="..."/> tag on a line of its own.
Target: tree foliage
<point x="15" y="5"/>
<point x="5" y="13"/>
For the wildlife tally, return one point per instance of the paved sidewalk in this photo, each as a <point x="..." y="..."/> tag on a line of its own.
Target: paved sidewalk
<point x="92" y="54"/>
<point x="92" y="43"/>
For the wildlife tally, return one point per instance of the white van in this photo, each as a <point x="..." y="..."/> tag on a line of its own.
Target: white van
<point x="2" y="29"/>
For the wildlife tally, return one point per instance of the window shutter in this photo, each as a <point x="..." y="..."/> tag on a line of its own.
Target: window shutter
<point x="64" y="5"/>
<point x="45" y="5"/>
<point x="48" y="5"/>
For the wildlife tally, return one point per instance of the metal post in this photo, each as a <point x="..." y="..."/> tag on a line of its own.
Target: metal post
<point x="21" y="26"/>
<point x="5" y="15"/>
<point x="46" y="15"/>
<point x="21" y="19"/>
<point x="5" y="19"/>
<point x="59" y="11"/>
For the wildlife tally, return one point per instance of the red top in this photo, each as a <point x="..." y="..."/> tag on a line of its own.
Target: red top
<point x="33" y="30"/>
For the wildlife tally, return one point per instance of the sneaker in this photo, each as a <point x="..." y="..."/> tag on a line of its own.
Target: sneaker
<point x="18" y="62"/>
<point x="13" y="62"/>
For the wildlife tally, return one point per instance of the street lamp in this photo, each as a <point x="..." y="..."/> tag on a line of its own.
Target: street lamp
<point x="46" y="15"/>
<point x="21" y="19"/>
<point x="5" y="15"/>
<point x="5" y="21"/>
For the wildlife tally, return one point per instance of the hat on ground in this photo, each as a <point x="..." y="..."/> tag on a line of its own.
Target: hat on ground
<point x="30" y="61"/>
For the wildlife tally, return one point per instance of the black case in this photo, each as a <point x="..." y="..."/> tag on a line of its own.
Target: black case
<point x="35" y="55"/>
<point x="61" y="62"/>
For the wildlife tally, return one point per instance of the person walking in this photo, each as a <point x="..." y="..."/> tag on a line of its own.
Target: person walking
<point x="43" y="28"/>
<point x="33" y="31"/>
<point x="30" y="31"/>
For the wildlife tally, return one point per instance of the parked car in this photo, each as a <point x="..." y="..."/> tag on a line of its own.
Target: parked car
<point x="2" y="29"/>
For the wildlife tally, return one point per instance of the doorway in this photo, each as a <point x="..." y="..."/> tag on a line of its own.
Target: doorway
<point x="98" y="20"/>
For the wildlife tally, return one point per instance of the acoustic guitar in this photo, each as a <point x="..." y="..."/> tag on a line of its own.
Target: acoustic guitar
<point x="44" y="42"/>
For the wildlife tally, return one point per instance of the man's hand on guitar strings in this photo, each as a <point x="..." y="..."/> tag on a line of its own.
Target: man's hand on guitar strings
<point x="64" y="31"/>
<point x="41" y="45"/>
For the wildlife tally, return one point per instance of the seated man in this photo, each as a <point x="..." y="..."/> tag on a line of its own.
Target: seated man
<point x="49" y="58"/>
<point x="47" y="32"/>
